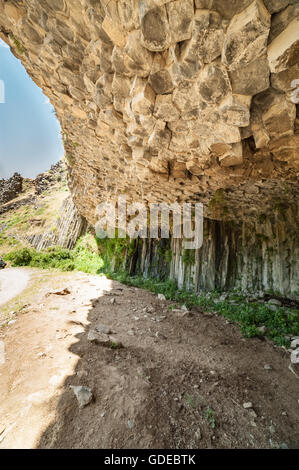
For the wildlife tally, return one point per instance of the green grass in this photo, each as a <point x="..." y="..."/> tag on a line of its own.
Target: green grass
<point x="191" y="401"/>
<point x="17" y="43"/>
<point x="188" y="257"/>
<point x="115" y="249"/>
<point x="209" y="415"/>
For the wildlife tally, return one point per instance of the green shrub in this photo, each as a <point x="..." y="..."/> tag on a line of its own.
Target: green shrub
<point x="81" y="258"/>
<point x="188" y="257"/>
<point x="20" y="257"/>
<point x="115" y="250"/>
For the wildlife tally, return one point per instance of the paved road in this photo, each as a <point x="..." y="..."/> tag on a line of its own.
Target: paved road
<point x="12" y="282"/>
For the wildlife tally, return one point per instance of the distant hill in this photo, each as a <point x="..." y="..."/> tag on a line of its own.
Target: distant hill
<point x="38" y="212"/>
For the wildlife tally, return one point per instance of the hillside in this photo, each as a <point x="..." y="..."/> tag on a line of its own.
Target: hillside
<point x="38" y="212"/>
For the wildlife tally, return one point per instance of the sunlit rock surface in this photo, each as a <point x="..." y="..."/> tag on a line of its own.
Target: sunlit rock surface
<point x="168" y="100"/>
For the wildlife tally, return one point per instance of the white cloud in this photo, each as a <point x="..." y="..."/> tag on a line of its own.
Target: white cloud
<point x="47" y="101"/>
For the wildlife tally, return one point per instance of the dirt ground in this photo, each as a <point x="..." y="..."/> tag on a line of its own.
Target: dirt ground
<point x="12" y="282"/>
<point x="179" y="381"/>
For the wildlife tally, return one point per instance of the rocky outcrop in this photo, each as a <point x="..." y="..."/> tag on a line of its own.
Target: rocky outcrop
<point x="54" y="219"/>
<point x="69" y="227"/>
<point x="45" y="180"/>
<point x="15" y="204"/>
<point x="10" y="188"/>
<point x="165" y="99"/>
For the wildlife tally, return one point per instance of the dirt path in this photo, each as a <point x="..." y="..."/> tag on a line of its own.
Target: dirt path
<point x="180" y="381"/>
<point x="12" y="282"/>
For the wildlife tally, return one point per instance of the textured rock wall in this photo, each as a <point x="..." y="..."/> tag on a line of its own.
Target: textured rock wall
<point x="10" y="188"/>
<point x="168" y="100"/>
<point x="47" y="194"/>
<point x="68" y="229"/>
<point x="263" y="256"/>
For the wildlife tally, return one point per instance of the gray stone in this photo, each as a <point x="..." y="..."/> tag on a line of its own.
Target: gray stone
<point x="281" y="20"/>
<point x="103" y="339"/>
<point x="273" y="6"/>
<point x="143" y="101"/>
<point x="262" y="329"/>
<point x="247" y="35"/>
<point x="235" y="110"/>
<point x="137" y="59"/>
<point x="180" y="17"/>
<point x="275" y="302"/>
<point x="295" y="356"/>
<point x="161" y="82"/>
<point x="207" y="35"/>
<point x="283" y="445"/>
<point x="226" y="9"/>
<point x="282" y="81"/>
<point x="214" y="83"/>
<point x="130" y="424"/>
<point x="161" y="297"/>
<point x="165" y="109"/>
<point x="273" y="117"/>
<point x="100" y="328"/>
<point x="250" y="79"/>
<point x="83" y="394"/>
<point x="2" y="264"/>
<point x="247" y="405"/>
<point x="294" y="343"/>
<point x="232" y="157"/>
<point x="154" y="26"/>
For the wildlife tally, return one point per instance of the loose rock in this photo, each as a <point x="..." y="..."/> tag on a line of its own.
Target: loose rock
<point x="83" y="394"/>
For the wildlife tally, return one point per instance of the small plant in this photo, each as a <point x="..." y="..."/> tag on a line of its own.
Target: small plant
<point x="209" y="415"/>
<point x="191" y="401"/>
<point x="114" y="345"/>
<point x="17" y="44"/>
<point x="168" y="256"/>
<point x="188" y="257"/>
<point x="70" y="159"/>
<point x="217" y="204"/>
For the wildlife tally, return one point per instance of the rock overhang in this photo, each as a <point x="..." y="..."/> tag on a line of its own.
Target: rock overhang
<point x="168" y="100"/>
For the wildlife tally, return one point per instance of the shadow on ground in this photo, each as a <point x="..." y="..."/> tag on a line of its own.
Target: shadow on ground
<point x="178" y="382"/>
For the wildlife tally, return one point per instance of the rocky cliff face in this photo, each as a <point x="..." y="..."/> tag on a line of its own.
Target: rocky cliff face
<point x="68" y="228"/>
<point x="10" y="188"/>
<point x="260" y="256"/>
<point x="168" y="100"/>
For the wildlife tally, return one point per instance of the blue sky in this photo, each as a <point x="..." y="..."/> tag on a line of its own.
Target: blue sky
<point x="30" y="140"/>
